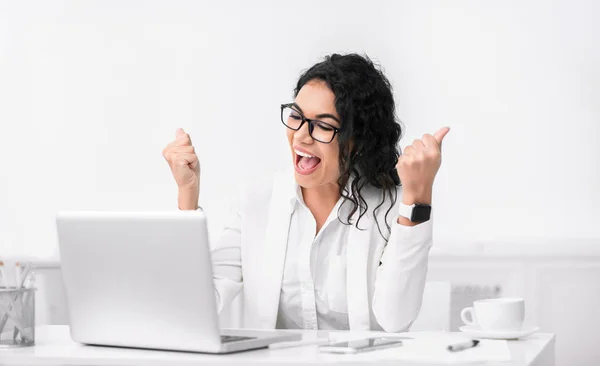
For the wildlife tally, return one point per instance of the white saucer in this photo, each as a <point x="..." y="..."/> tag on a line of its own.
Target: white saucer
<point x="515" y="334"/>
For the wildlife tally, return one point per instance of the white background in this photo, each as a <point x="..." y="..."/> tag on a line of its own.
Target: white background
<point x="90" y="92"/>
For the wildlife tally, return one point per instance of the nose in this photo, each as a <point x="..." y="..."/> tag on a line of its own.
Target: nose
<point x="303" y="135"/>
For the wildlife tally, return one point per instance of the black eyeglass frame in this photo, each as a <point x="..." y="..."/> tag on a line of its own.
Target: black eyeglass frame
<point x="311" y="123"/>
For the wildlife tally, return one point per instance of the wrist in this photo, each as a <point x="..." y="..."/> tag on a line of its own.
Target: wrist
<point x="405" y="222"/>
<point x="410" y="197"/>
<point x="188" y="199"/>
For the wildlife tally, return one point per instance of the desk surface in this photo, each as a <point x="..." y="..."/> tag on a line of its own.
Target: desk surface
<point x="55" y="347"/>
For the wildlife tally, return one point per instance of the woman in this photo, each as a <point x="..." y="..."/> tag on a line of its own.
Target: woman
<point x="341" y="245"/>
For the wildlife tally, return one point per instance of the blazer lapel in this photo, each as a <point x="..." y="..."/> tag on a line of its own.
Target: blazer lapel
<point x="280" y="210"/>
<point x="357" y="279"/>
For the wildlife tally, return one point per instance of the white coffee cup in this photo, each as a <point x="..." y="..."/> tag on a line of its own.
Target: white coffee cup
<point x="496" y="315"/>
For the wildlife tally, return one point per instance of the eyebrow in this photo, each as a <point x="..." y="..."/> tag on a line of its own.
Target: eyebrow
<point x="323" y="115"/>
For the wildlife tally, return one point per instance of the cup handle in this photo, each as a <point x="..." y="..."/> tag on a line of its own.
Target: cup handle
<point x="463" y="315"/>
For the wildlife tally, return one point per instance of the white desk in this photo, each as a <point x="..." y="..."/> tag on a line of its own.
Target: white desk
<point x="54" y="347"/>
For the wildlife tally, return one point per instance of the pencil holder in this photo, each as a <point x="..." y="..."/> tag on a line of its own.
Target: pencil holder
<point x="17" y="317"/>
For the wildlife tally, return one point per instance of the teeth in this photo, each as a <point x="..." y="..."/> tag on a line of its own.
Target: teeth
<point x="303" y="154"/>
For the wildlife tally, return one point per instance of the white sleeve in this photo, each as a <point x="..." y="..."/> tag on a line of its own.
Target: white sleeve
<point x="400" y="278"/>
<point x="227" y="261"/>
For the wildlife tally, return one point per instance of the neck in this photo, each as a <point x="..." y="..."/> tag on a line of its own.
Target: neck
<point x="321" y="198"/>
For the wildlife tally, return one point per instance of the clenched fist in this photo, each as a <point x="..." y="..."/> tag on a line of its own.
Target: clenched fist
<point x="185" y="166"/>
<point x="418" y="165"/>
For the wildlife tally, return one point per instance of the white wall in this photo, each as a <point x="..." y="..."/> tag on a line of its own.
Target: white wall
<point x="90" y="92"/>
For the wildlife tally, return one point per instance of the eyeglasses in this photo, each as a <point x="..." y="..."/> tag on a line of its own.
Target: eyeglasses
<point x="318" y="130"/>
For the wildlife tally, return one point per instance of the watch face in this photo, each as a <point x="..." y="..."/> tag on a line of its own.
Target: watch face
<point x="421" y="213"/>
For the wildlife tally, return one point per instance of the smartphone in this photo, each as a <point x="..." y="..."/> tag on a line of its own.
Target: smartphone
<point x="361" y="345"/>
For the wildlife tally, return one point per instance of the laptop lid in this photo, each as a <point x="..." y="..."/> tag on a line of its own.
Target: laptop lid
<point x="139" y="279"/>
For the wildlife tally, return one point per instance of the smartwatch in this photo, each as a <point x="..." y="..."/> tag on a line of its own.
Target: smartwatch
<point x="417" y="212"/>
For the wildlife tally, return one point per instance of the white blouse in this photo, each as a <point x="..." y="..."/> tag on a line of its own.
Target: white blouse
<point x="313" y="290"/>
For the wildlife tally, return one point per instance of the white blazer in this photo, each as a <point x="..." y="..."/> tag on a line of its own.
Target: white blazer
<point x="385" y="276"/>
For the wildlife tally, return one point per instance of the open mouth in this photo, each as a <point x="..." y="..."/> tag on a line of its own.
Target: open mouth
<point x="306" y="163"/>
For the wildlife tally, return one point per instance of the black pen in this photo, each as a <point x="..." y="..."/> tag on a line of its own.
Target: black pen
<point x="463" y="345"/>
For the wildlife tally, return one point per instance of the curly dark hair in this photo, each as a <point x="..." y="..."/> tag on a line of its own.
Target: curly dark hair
<point x="370" y="132"/>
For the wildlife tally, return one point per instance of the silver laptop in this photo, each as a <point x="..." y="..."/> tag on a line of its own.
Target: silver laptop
<point x="144" y="280"/>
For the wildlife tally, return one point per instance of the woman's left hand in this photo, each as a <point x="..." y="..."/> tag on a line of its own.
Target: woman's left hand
<point x="418" y="165"/>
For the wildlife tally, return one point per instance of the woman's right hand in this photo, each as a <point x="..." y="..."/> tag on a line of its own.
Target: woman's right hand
<point x="185" y="166"/>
